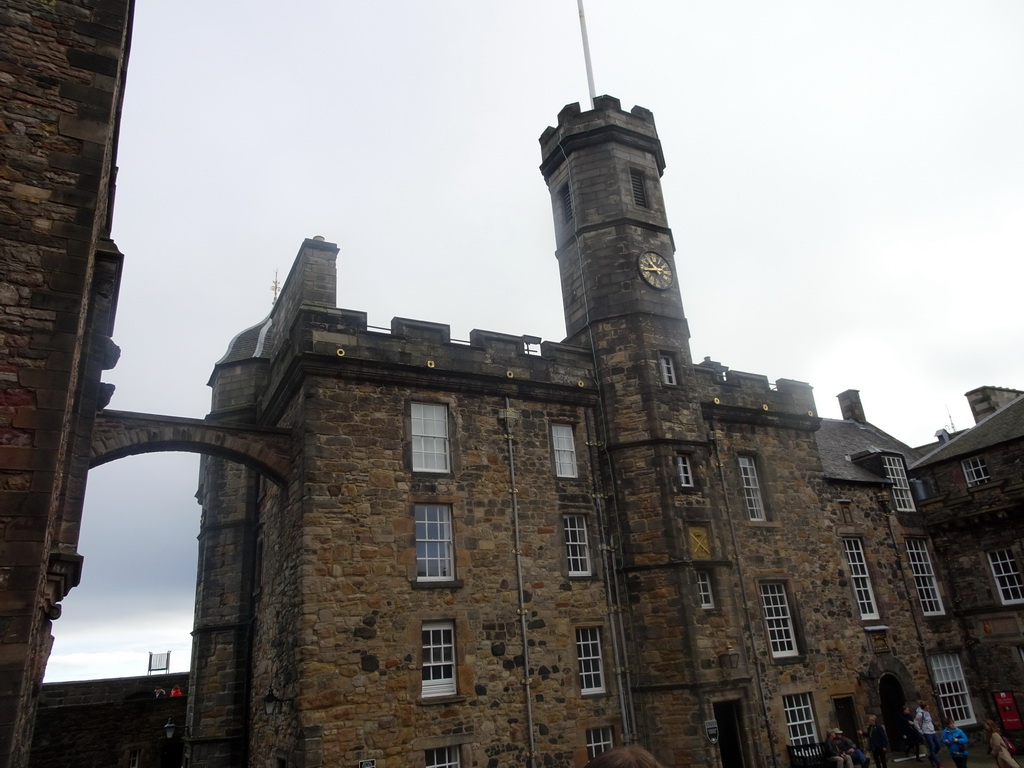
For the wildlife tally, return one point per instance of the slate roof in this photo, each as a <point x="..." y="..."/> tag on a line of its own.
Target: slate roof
<point x="249" y="343"/>
<point x="1005" y="424"/>
<point x="839" y="439"/>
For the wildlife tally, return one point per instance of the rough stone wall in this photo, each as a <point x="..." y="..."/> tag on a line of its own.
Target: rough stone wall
<point x="339" y="607"/>
<point x="965" y="524"/>
<point x="61" y="74"/>
<point x="102" y="722"/>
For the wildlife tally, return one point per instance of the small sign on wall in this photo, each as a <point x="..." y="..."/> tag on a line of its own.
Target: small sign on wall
<point x="1008" y="712"/>
<point x="367" y="764"/>
<point x="711" y="730"/>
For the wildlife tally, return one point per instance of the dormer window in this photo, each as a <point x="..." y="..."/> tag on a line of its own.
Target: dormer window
<point x="897" y="474"/>
<point x="975" y="471"/>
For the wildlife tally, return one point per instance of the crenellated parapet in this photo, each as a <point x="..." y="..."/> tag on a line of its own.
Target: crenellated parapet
<point x="740" y="396"/>
<point x="305" y="329"/>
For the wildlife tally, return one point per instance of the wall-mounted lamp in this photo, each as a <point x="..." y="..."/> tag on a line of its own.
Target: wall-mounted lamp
<point x="729" y="658"/>
<point x="169" y="727"/>
<point x="271" y="703"/>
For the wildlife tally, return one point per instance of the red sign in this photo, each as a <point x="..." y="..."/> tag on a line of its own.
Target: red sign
<point x="1008" y="712"/>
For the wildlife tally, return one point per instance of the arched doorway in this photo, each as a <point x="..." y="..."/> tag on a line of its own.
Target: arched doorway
<point x="892" y="698"/>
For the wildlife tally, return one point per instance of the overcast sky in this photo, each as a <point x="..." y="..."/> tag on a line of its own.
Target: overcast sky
<point x="844" y="180"/>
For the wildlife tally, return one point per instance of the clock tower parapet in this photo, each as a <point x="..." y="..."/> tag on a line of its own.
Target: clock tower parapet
<point x="615" y="176"/>
<point x="615" y="250"/>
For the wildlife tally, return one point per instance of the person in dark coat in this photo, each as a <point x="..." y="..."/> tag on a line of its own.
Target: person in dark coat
<point x="878" y="742"/>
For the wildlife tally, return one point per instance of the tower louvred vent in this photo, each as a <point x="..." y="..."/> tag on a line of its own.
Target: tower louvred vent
<point x="636" y="178"/>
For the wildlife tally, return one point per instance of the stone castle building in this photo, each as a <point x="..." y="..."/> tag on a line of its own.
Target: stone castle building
<point x="419" y="551"/>
<point x="514" y="553"/>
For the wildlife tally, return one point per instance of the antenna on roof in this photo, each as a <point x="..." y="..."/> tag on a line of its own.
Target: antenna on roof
<point x="275" y="287"/>
<point x="586" y="52"/>
<point x="952" y="427"/>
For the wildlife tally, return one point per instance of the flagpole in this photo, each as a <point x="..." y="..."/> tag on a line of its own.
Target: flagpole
<point x="586" y="52"/>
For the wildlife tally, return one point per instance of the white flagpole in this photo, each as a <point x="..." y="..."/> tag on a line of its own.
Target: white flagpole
<point x="586" y="52"/>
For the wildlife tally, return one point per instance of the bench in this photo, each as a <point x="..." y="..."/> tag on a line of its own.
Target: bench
<point x="813" y="756"/>
<point x="808" y="756"/>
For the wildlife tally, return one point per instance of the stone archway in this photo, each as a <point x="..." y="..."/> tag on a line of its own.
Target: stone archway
<point x="892" y="698"/>
<point x="241" y="458"/>
<point x="122" y="433"/>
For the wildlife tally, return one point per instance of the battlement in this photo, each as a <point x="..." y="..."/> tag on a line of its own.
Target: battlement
<point x="740" y="390"/>
<point x="607" y="121"/>
<point x="425" y="348"/>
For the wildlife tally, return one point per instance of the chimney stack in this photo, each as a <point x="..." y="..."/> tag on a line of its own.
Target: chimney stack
<point x="849" y="404"/>
<point x="985" y="401"/>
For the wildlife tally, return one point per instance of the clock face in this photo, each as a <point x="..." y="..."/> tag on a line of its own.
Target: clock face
<point x="655" y="270"/>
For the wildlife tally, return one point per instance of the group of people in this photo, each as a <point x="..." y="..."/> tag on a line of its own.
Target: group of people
<point x="160" y="693"/>
<point x="918" y="729"/>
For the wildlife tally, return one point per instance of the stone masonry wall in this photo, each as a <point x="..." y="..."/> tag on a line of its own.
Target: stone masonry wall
<point x="62" y="69"/>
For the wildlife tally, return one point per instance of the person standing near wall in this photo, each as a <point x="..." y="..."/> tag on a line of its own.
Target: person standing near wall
<point x="997" y="746"/>
<point x="923" y="719"/>
<point x="878" y="742"/>
<point x="956" y="742"/>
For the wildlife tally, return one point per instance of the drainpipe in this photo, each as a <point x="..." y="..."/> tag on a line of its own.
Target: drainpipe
<point x="617" y="633"/>
<point x="883" y="503"/>
<point x="508" y="416"/>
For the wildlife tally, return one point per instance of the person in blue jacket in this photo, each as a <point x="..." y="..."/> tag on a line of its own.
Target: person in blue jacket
<point x="956" y="742"/>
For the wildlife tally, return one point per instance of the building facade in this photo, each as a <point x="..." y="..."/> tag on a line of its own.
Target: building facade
<point x="507" y="552"/>
<point x="972" y="484"/>
<point x="62" y="71"/>
<point x="495" y="552"/>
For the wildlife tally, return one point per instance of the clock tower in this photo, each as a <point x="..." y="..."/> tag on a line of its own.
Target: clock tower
<point x="620" y="285"/>
<point x="620" y="291"/>
<point x="615" y="250"/>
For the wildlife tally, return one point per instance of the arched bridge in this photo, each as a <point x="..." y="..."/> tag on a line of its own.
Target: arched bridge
<point x="122" y="433"/>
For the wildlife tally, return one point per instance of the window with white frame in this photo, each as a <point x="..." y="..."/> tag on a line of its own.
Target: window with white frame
<point x="707" y="597"/>
<point x="598" y="740"/>
<point x="442" y="757"/>
<point x="577" y="550"/>
<point x="438" y="639"/>
<point x="565" y="450"/>
<point x="751" y="488"/>
<point x="683" y="472"/>
<point x="1007" y="576"/>
<point x="924" y="577"/>
<point x="434" y="556"/>
<point x="667" y="365"/>
<point x="862" y="590"/>
<point x="429" y="438"/>
<point x="975" y="471"/>
<point x="799" y="718"/>
<point x="897" y="474"/>
<point x="588" y="656"/>
<point x="954" y="698"/>
<point x="133" y="758"/>
<point x="778" y="620"/>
